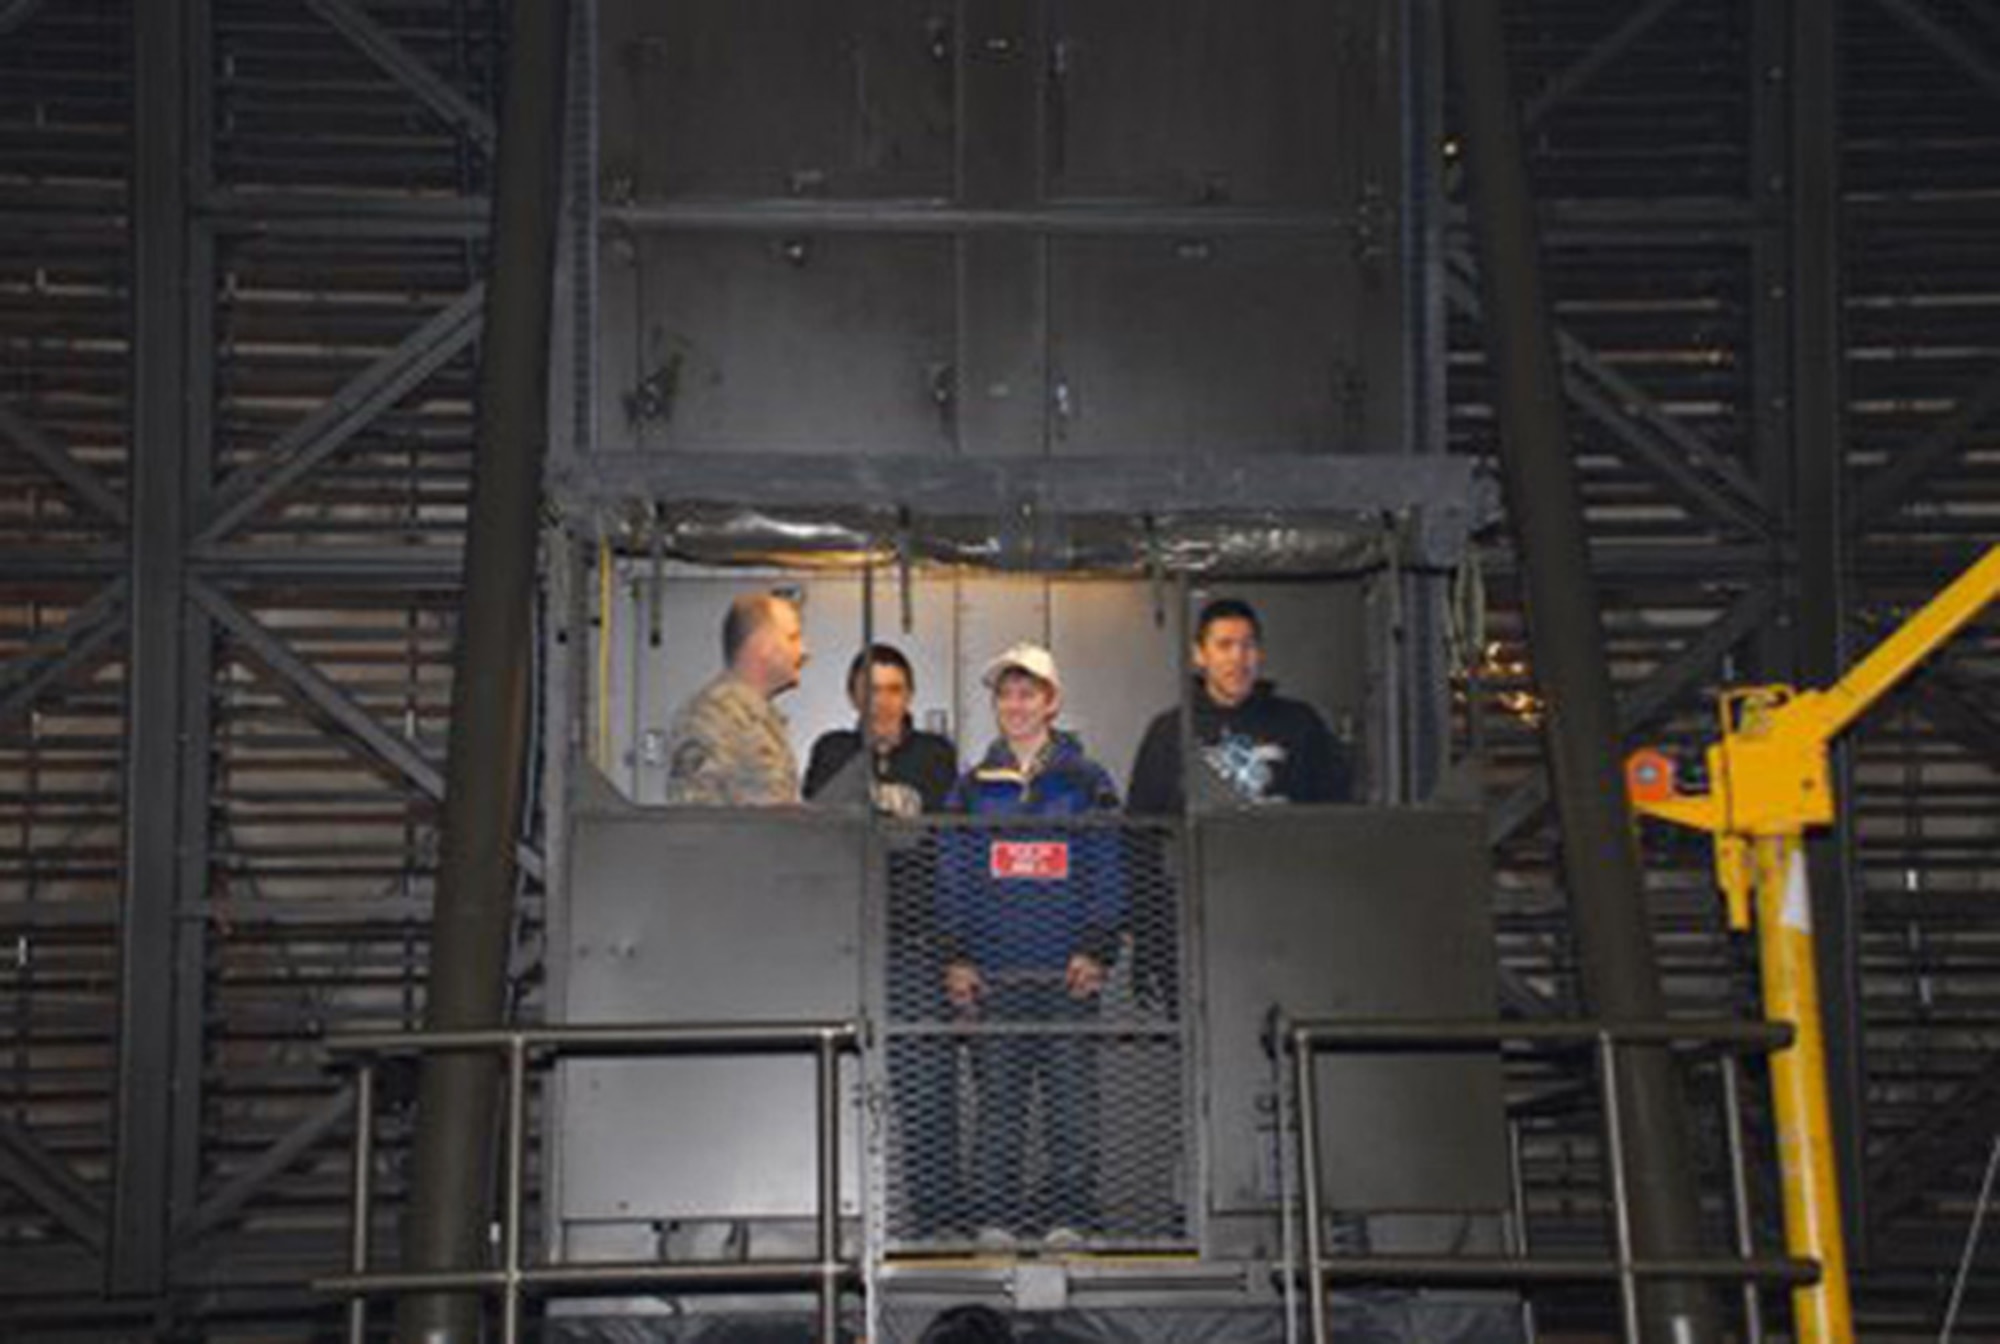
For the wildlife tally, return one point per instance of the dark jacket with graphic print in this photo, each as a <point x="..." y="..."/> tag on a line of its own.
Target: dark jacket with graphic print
<point x="1269" y="749"/>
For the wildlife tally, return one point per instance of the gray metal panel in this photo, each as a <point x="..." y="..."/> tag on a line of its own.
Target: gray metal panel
<point x="1356" y="912"/>
<point x="694" y="915"/>
<point x="1178" y="346"/>
<point x="1188" y="100"/>
<point x="808" y="344"/>
<point x="771" y="98"/>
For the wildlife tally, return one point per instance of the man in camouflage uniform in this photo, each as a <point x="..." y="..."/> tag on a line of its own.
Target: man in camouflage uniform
<point x="728" y="746"/>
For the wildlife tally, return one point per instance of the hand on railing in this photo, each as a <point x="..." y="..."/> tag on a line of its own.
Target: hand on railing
<point x="1084" y="976"/>
<point x="964" y="986"/>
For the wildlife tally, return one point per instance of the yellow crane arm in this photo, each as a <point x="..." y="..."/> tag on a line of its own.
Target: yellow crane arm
<point x="1769" y="782"/>
<point x="1820" y="716"/>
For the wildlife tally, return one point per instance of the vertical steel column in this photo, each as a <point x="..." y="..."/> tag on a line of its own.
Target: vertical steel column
<point x="1544" y="505"/>
<point x="190" y="1010"/>
<point x="168" y="147"/>
<point x="1819" y="447"/>
<point x="451" y="1194"/>
<point x="1770" y="302"/>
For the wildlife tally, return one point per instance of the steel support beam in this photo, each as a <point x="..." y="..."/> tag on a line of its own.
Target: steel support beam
<point x="189" y="950"/>
<point x="452" y="1168"/>
<point x="381" y="46"/>
<point x="50" y="1185"/>
<point x="1545" y="509"/>
<point x="1819" y="516"/>
<point x="164" y="47"/>
<point x="1651" y="699"/>
<point x="1768" y="81"/>
<point x="82" y="481"/>
<point x="324" y="432"/>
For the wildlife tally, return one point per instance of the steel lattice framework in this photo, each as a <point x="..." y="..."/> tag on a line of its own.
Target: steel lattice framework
<point x="240" y="250"/>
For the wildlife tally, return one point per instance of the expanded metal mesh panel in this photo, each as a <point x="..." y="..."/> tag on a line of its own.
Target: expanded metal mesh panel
<point x="1036" y="1051"/>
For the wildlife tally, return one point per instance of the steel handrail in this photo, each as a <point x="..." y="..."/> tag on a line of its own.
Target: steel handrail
<point x="827" y="1274"/>
<point x="1304" y="1040"/>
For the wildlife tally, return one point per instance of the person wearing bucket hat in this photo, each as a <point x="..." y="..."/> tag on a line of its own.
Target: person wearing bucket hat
<point x="1030" y="918"/>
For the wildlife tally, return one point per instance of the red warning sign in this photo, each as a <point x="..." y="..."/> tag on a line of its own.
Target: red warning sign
<point x="1030" y="860"/>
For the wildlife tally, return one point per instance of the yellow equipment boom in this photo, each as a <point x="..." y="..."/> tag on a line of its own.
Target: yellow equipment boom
<point x="1769" y="779"/>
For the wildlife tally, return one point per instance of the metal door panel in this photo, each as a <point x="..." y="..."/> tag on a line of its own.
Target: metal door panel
<point x="696" y="916"/>
<point x="830" y="343"/>
<point x="1353" y="912"/>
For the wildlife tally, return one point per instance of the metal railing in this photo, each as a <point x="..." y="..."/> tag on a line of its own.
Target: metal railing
<point x="827" y="1274"/>
<point x="1304" y="1041"/>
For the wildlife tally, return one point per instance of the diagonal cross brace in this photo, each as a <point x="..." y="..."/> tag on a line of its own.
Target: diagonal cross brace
<point x="381" y="46"/>
<point x="1916" y="17"/>
<point x="83" y="482"/>
<point x="48" y="1181"/>
<point x="1689" y="468"/>
<point x="1592" y="63"/>
<point x="14" y="13"/>
<point x="1952" y="1131"/>
<point x="60" y="652"/>
<point x="277" y="1158"/>
<point x="323" y="433"/>
<point x="1890" y="487"/>
<point x="1647" y="701"/>
<point x="320" y="692"/>
<point x="1955" y="714"/>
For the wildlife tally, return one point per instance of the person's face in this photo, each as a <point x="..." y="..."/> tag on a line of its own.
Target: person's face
<point x="782" y="650"/>
<point x="1231" y="659"/>
<point x="887" y="703"/>
<point x="1024" y="706"/>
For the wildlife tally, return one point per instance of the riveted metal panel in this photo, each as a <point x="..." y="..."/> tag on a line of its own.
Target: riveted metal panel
<point x="1196" y="100"/>
<point x="775" y="99"/>
<point x="775" y="342"/>
<point x="1356" y="913"/>
<point x="1176" y="345"/>
<point x="686" y="915"/>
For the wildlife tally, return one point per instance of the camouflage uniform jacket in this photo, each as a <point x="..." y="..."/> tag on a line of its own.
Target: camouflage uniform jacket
<point x="729" y="748"/>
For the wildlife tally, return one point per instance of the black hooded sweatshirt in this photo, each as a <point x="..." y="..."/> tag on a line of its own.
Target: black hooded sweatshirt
<point x="1269" y="749"/>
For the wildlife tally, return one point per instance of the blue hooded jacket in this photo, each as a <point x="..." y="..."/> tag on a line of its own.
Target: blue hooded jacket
<point x="1074" y="903"/>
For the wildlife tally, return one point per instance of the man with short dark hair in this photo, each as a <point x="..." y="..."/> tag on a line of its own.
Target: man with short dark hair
<point x="909" y="772"/>
<point x="1259" y="746"/>
<point x="729" y="745"/>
